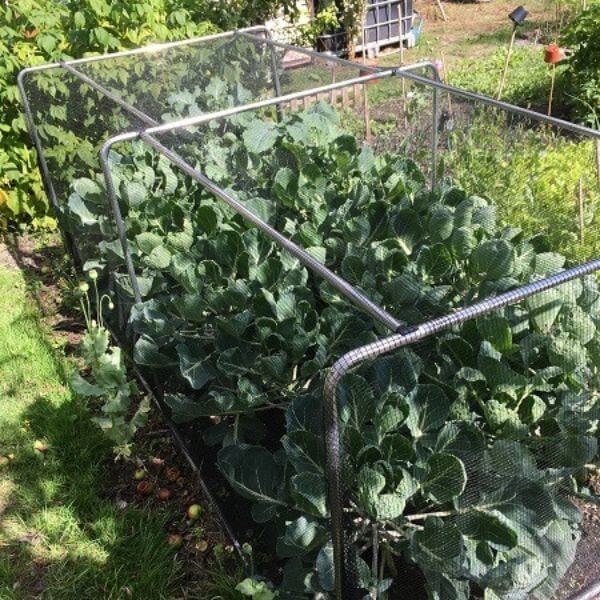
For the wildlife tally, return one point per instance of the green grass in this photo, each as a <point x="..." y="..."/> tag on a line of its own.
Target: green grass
<point x="58" y="536"/>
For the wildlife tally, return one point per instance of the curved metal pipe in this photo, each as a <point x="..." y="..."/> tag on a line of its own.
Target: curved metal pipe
<point x="119" y="222"/>
<point x="158" y="47"/>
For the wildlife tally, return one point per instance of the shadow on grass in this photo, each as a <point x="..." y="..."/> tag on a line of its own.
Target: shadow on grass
<point x="57" y="518"/>
<point x="62" y="535"/>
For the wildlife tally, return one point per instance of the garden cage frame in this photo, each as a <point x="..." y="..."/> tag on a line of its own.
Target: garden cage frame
<point x="428" y="114"/>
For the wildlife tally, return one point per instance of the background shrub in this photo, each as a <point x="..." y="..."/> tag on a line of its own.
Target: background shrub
<point x="38" y="31"/>
<point x="583" y="76"/>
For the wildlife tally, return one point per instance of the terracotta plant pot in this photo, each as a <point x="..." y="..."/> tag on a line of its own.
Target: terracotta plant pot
<point x="363" y="73"/>
<point x="552" y="54"/>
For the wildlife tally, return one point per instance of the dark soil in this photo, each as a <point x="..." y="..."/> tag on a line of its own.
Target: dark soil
<point x="586" y="568"/>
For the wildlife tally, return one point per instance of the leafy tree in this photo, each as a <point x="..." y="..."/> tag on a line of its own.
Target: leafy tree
<point x="40" y="31"/>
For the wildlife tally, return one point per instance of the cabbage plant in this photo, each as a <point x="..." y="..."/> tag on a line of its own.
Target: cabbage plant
<point x="459" y="452"/>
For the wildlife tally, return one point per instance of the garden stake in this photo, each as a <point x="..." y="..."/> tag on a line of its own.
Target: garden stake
<point x="517" y="17"/>
<point x="332" y="93"/>
<point x="441" y="9"/>
<point x="506" y="62"/>
<point x="366" y="96"/>
<point x="597" y="144"/>
<point x="553" y="78"/>
<point x="401" y="44"/>
<point x="580" y="208"/>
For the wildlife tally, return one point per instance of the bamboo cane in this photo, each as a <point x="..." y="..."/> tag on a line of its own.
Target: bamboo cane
<point x="441" y="9"/>
<point x="553" y="79"/>
<point x="366" y="93"/>
<point x="580" y="209"/>
<point x="598" y="161"/>
<point x="506" y="63"/>
<point x="401" y="42"/>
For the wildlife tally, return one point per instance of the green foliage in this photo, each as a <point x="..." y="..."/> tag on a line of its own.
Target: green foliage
<point x="583" y="76"/>
<point x="325" y="20"/>
<point x="234" y="14"/>
<point x="257" y="590"/>
<point x="457" y="450"/>
<point x="525" y="176"/>
<point x="527" y="81"/>
<point x="107" y="381"/>
<point x="39" y="31"/>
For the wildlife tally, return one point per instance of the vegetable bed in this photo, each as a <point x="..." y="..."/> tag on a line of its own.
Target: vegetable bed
<point x="459" y="452"/>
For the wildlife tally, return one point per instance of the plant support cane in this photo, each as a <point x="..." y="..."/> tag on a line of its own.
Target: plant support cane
<point x="552" y="80"/>
<point x="518" y="17"/>
<point x="552" y="56"/>
<point x="597" y="149"/>
<point x="581" y="210"/>
<point x="441" y="9"/>
<point x="506" y="63"/>
<point x="366" y="88"/>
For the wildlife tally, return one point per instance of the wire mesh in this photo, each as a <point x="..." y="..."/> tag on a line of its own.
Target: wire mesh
<point x="260" y="255"/>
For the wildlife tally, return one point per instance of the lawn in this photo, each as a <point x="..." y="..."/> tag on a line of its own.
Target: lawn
<point x="58" y="536"/>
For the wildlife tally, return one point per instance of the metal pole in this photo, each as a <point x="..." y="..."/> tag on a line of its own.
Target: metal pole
<point x="119" y="222"/>
<point x="275" y="75"/>
<point x="276" y="83"/>
<point x="152" y="48"/>
<point x="183" y="448"/>
<point x="307" y="259"/>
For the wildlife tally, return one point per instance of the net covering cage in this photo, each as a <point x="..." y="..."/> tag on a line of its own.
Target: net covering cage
<point x="367" y="300"/>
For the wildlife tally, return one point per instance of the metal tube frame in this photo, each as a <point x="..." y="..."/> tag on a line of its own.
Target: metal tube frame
<point x="511" y="108"/>
<point x="410" y="335"/>
<point x="43" y="167"/>
<point x="148" y="135"/>
<point x="404" y="335"/>
<point x="340" y="284"/>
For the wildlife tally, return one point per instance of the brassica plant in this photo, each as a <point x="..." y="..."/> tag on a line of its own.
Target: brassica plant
<point x="458" y="451"/>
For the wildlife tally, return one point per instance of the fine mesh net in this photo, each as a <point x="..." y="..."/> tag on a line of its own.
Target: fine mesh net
<point x="260" y="259"/>
<point x="464" y="453"/>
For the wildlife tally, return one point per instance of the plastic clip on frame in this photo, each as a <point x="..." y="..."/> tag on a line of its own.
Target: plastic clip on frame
<point x="153" y="130"/>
